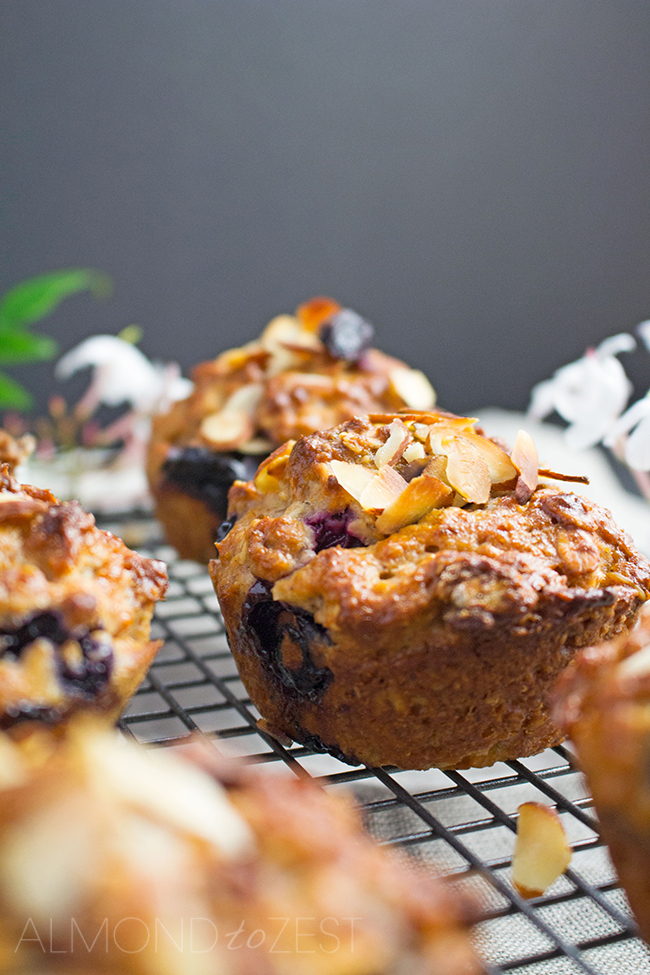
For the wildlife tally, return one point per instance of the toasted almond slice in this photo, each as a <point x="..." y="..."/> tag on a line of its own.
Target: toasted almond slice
<point x="353" y="478"/>
<point x="636" y="666"/>
<point x="414" y="451"/>
<point x="233" y="359"/>
<point x="421" y="431"/>
<point x="382" y="490"/>
<point x="467" y="470"/>
<point x="285" y="330"/>
<point x="413" y="387"/>
<point x="257" y="445"/>
<point x="556" y="476"/>
<point x="226" y="430"/>
<point x="245" y="399"/>
<point x="391" y="451"/>
<point x="437" y="467"/>
<point x="266" y="479"/>
<point x="542" y="852"/>
<point x="420" y="496"/>
<point x="312" y="314"/>
<point x="499" y="464"/>
<point x="524" y="457"/>
<point x="445" y="429"/>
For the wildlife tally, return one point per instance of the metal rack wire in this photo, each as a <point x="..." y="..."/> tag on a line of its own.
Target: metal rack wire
<point x="459" y="823"/>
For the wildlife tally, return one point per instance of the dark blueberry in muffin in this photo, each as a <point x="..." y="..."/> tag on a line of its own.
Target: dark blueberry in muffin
<point x="331" y="528"/>
<point x="284" y="635"/>
<point x="346" y="335"/>
<point x="47" y="625"/>
<point x="88" y="675"/>
<point x="206" y="475"/>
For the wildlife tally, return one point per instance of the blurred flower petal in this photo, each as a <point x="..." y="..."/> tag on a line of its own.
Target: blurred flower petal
<point x="637" y="448"/>
<point x="643" y="330"/>
<point x="630" y="418"/>
<point x="623" y="342"/>
<point x="589" y="393"/>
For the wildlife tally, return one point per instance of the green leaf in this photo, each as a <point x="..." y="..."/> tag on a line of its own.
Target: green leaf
<point x="35" y="298"/>
<point x="14" y="395"/>
<point x="17" y="347"/>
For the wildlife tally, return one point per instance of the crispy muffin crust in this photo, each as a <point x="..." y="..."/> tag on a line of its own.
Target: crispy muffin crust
<point x="305" y="373"/>
<point x="165" y="840"/>
<point x="432" y="644"/>
<point x="603" y="703"/>
<point x="75" y="609"/>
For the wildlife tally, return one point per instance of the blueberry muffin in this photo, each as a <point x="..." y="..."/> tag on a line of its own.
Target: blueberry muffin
<point x="75" y="609"/>
<point x="306" y="372"/>
<point x="401" y="591"/>
<point x="165" y="867"/>
<point x="603" y="702"/>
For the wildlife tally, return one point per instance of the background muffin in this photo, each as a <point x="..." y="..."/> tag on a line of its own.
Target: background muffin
<point x="306" y="372"/>
<point x="75" y="609"/>
<point x="398" y="590"/>
<point x="232" y="871"/>
<point x="604" y="705"/>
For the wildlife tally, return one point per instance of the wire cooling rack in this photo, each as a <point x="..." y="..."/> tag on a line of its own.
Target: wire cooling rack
<point x="461" y="823"/>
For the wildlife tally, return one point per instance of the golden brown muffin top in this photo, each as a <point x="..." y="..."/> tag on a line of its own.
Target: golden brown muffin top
<point x="306" y="372"/>
<point x="53" y="555"/>
<point x="351" y="520"/>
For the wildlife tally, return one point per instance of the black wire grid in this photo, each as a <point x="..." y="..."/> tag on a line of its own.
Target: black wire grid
<point x="463" y="824"/>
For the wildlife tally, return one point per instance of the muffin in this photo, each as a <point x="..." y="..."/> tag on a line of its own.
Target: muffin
<point x="75" y="609"/>
<point x="305" y="373"/>
<point x="164" y="868"/>
<point x="401" y="591"/>
<point x="603" y="702"/>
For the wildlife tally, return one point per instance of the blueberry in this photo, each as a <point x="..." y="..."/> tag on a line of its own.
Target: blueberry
<point x="269" y="623"/>
<point x="207" y="475"/>
<point x="93" y="672"/>
<point x="346" y="335"/>
<point x="331" y="528"/>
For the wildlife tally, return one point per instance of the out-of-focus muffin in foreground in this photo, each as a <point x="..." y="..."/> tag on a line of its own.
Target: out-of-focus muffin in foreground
<point x="75" y="610"/>
<point x="400" y="591"/>
<point x="128" y="862"/>
<point x="306" y="372"/>
<point x="604" y="705"/>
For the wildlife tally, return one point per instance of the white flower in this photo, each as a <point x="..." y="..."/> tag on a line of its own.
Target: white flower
<point x="122" y="374"/>
<point x="589" y="393"/>
<point x="636" y="450"/>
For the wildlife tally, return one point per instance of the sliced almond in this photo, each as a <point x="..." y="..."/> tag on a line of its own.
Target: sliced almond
<point x="414" y="451"/>
<point x="421" y="431"/>
<point x="467" y="470"/>
<point x="226" y="430"/>
<point x="446" y="428"/>
<point x="635" y="666"/>
<point x="257" y="445"/>
<point x="353" y="478"/>
<point x="524" y="457"/>
<point x="382" y="490"/>
<point x="499" y="464"/>
<point x="413" y="387"/>
<point x="270" y="470"/>
<point x="437" y="467"/>
<point x="420" y="496"/>
<point x="391" y="451"/>
<point x="542" y="852"/>
<point x="285" y="330"/>
<point x="246" y="399"/>
<point x="313" y="313"/>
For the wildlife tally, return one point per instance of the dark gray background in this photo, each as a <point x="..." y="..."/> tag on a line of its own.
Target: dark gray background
<point x="472" y="175"/>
